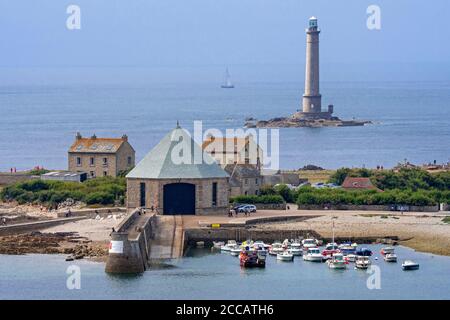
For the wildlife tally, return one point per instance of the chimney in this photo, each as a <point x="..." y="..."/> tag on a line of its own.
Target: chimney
<point x="78" y="136"/>
<point x="125" y="137"/>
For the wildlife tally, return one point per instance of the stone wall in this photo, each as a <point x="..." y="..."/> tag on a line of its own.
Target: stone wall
<point x="368" y="208"/>
<point x="203" y="194"/>
<point x="11" y="178"/>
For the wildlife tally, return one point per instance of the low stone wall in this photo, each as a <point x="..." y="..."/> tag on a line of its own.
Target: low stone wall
<point x="10" y="178"/>
<point x="130" y="255"/>
<point x="270" y="206"/>
<point x="91" y="213"/>
<point x="34" y="226"/>
<point x="368" y="208"/>
<point x="242" y="234"/>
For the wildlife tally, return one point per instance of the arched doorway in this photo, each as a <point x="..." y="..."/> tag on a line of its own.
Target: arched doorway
<point x="179" y="198"/>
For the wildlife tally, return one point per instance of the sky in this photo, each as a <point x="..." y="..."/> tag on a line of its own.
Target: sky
<point x="193" y="40"/>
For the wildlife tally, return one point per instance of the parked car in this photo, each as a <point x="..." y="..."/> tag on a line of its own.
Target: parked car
<point x="247" y="208"/>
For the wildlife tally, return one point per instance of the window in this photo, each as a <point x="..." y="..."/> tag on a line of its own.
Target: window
<point x="256" y="192"/>
<point x="214" y="194"/>
<point x="92" y="174"/>
<point x="246" y="181"/>
<point x="129" y="161"/>
<point x="256" y="181"/>
<point x="142" y="194"/>
<point x="92" y="161"/>
<point x="105" y="173"/>
<point x="78" y="161"/>
<point x="105" y="161"/>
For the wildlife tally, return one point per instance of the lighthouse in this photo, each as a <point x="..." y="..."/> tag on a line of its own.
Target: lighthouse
<point x="312" y="99"/>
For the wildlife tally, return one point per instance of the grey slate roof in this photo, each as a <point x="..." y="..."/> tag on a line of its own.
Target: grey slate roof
<point x="158" y="163"/>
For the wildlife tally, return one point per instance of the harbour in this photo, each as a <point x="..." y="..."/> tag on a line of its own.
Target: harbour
<point x="203" y="274"/>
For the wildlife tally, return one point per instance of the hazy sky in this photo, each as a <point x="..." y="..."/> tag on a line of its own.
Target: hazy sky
<point x="196" y="38"/>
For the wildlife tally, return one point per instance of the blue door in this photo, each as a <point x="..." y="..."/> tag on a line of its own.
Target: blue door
<point x="179" y="198"/>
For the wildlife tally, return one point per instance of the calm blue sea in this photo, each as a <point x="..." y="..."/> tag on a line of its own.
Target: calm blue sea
<point x="411" y="119"/>
<point x="206" y="275"/>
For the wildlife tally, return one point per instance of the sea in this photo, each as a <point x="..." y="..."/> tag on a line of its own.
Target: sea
<point x="206" y="274"/>
<point x="411" y="120"/>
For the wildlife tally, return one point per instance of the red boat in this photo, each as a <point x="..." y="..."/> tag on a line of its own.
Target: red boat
<point x="251" y="259"/>
<point x="330" y="250"/>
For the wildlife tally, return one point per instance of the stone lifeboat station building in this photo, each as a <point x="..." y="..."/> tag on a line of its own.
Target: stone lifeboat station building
<point x="168" y="186"/>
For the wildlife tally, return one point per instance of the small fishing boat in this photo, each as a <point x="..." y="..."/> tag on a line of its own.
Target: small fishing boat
<point x="362" y="262"/>
<point x="285" y="256"/>
<point x="330" y="249"/>
<point x="337" y="262"/>
<point x="313" y="254"/>
<point x="363" y="252"/>
<point x="351" y="257"/>
<point x="230" y="245"/>
<point x="389" y="254"/>
<point x="390" y="257"/>
<point x="410" y="265"/>
<point x="251" y="259"/>
<point x="347" y="249"/>
<point x="261" y="244"/>
<point x="295" y="251"/>
<point x="309" y="243"/>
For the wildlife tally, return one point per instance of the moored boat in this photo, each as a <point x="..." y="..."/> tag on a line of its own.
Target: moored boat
<point x="351" y="257"/>
<point x="276" y="248"/>
<point x="387" y="250"/>
<point x="309" y="243"/>
<point x="337" y="261"/>
<point x="330" y="249"/>
<point x="295" y="251"/>
<point x="285" y="256"/>
<point x="362" y="262"/>
<point x="230" y="245"/>
<point x="251" y="259"/>
<point x="410" y="265"/>
<point x="363" y="252"/>
<point x="313" y="254"/>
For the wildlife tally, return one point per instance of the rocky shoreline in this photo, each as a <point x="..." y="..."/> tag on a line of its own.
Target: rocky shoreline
<point x="291" y="122"/>
<point x="67" y="243"/>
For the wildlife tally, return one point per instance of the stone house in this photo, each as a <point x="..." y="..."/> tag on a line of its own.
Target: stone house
<point x="240" y="150"/>
<point x="100" y="157"/>
<point x="177" y="177"/>
<point x="245" y="179"/>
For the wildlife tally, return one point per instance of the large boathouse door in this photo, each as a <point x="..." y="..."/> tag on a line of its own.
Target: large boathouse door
<point x="179" y="198"/>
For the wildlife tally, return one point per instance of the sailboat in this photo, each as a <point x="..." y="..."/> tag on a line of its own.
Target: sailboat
<point x="227" y="84"/>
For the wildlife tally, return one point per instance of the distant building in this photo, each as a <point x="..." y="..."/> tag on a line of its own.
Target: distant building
<point x="65" y="176"/>
<point x="101" y="156"/>
<point x="271" y="178"/>
<point x="237" y="150"/>
<point x="245" y="179"/>
<point x="351" y="183"/>
<point x="173" y="187"/>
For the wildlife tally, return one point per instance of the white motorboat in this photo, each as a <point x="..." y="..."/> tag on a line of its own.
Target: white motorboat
<point x="313" y="254"/>
<point x="230" y="245"/>
<point x="362" y="262"/>
<point x="218" y="244"/>
<point x="351" y="257"/>
<point x="295" y="251"/>
<point x="410" y="265"/>
<point x="285" y="256"/>
<point x="276" y="248"/>
<point x="337" y="261"/>
<point x="390" y="257"/>
<point x="260" y="243"/>
<point x="296" y="244"/>
<point x="387" y="250"/>
<point x="235" y="251"/>
<point x="309" y="243"/>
